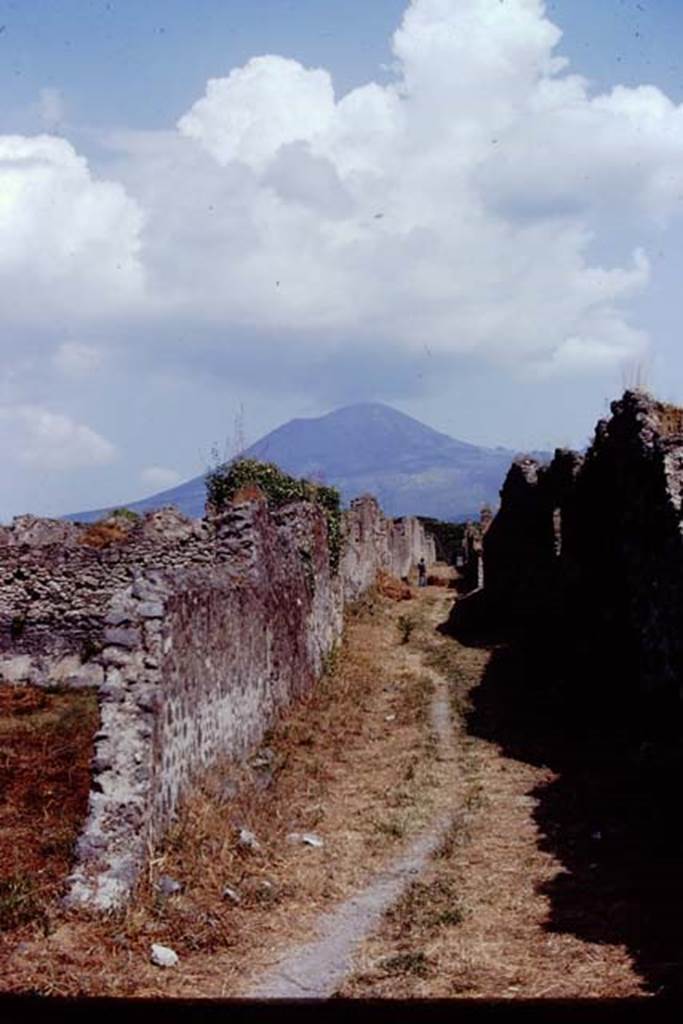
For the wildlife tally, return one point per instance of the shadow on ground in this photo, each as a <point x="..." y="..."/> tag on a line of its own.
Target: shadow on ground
<point x="610" y="818"/>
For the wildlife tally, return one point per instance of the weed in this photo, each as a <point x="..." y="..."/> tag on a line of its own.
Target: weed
<point x="407" y="963"/>
<point x="476" y="799"/>
<point x="19" y="902"/>
<point x="125" y="513"/>
<point x="454" y="916"/>
<point x="427" y="905"/>
<point x="331" y="662"/>
<point x="393" y="827"/>
<point x="458" y="835"/>
<point x="406" y="625"/>
<point x="431" y="746"/>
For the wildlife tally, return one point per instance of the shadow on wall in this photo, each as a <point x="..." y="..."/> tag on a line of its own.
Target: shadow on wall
<point x="610" y="818"/>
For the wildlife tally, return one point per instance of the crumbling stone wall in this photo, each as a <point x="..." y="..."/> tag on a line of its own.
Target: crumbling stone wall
<point x="521" y="549"/>
<point x="55" y="587"/>
<point x="471" y="560"/>
<point x="589" y="549"/>
<point x="408" y="543"/>
<point x="373" y="542"/>
<point x="199" y="633"/>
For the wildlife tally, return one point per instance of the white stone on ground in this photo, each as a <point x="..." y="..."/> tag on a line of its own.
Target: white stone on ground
<point x="162" y="956"/>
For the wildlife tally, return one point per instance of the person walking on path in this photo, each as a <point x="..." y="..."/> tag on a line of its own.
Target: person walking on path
<point x="422" y="573"/>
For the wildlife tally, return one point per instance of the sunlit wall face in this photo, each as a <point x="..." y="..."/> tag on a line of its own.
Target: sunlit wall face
<point x="465" y="208"/>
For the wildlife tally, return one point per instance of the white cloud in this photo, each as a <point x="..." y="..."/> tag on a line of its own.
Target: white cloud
<point x="76" y="359"/>
<point x="39" y="439"/>
<point x="457" y="206"/>
<point x="258" y="108"/>
<point x="460" y="206"/>
<point x="69" y="244"/>
<point x="159" y="477"/>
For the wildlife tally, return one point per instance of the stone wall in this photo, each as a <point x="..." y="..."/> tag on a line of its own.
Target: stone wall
<point x="198" y="634"/>
<point x="55" y="585"/>
<point x="588" y="549"/>
<point x="373" y="542"/>
<point x="472" y="552"/>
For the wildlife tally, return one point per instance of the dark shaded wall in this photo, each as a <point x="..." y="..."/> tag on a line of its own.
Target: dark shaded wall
<point x="585" y="557"/>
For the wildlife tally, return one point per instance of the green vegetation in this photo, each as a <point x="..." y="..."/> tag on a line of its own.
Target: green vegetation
<point x="407" y="963"/>
<point x="224" y="480"/>
<point x="124" y="513"/>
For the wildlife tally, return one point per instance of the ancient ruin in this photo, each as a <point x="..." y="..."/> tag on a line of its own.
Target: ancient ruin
<point x="196" y="634"/>
<point x="588" y="550"/>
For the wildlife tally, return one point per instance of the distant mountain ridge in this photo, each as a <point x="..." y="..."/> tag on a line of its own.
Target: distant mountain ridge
<point x="368" y="448"/>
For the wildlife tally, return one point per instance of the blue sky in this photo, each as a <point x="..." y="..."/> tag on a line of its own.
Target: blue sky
<point x="475" y="240"/>
<point x="139" y="64"/>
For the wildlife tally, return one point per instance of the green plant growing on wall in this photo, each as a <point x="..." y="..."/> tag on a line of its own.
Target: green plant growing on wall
<point x="125" y="513"/>
<point x="225" y="479"/>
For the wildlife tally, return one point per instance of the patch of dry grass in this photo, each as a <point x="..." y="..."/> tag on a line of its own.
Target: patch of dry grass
<point x="44" y="782"/>
<point x="101" y="535"/>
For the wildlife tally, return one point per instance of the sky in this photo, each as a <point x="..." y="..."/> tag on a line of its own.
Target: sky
<point x="218" y="216"/>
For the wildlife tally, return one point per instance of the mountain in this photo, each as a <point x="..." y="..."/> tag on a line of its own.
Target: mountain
<point x="369" y="448"/>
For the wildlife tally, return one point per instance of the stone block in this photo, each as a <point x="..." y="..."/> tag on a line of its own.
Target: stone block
<point x="16" y="669"/>
<point x="89" y="676"/>
<point x="120" y="636"/>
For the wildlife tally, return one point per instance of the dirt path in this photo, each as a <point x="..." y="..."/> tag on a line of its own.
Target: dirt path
<point x="317" y="968"/>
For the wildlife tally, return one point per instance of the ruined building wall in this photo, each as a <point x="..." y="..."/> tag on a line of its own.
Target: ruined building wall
<point x="373" y="542"/>
<point x="55" y="587"/>
<point x="591" y="547"/>
<point x="472" y="554"/>
<point x="626" y="530"/>
<point x="522" y="570"/>
<point x="199" y="636"/>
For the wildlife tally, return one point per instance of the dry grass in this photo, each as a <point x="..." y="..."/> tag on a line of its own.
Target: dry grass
<point x="101" y="535"/>
<point x="248" y="492"/>
<point x="393" y="588"/>
<point x="44" y="784"/>
<point x="351" y="763"/>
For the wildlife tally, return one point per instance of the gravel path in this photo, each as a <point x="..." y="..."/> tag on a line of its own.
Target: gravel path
<point x="315" y="970"/>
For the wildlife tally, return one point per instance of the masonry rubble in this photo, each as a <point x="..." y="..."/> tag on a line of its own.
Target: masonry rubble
<point x="196" y="635"/>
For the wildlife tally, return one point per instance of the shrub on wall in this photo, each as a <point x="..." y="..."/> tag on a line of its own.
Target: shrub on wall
<point x="225" y="480"/>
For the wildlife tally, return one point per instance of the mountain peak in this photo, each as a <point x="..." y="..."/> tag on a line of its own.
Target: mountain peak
<point x="371" y="447"/>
